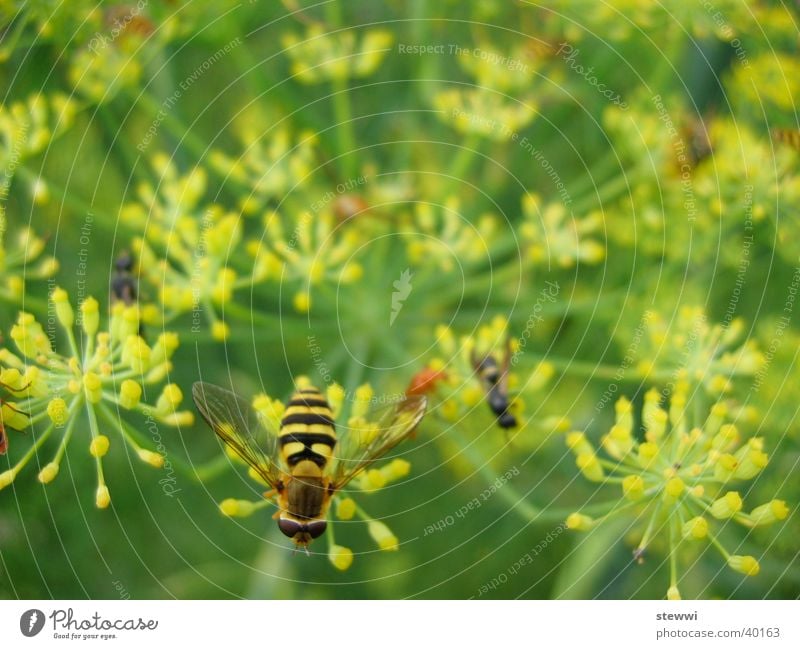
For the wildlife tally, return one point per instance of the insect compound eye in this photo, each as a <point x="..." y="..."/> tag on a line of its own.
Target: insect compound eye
<point x="317" y="528"/>
<point x="289" y="527"/>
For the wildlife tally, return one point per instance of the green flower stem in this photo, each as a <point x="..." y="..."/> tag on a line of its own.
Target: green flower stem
<point x="41" y="439"/>
<point x="342" y="110"/>
<point x="650" y="526"/>
<point x="673" y="551"/>
<point x="715" y="542"/>
<point x="73" y="409"/>
<point x="95" y="431"/>
<point x="195" y="472"/>
<point x="463" y="159"/>
<point x="610" y="190"/>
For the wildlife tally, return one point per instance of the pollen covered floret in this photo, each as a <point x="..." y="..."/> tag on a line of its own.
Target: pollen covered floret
<point x="691" y="348"/>
<point x="81" y="392"/>
<point x="336" y="56"/>
<point x="357" y="426"/>
<point x="556" y="236"/>
<point x="682" y="475"/>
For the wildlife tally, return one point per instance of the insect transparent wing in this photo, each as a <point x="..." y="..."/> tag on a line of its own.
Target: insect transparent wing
<point x="395" y="424"/>
<point x="238" y="425"/>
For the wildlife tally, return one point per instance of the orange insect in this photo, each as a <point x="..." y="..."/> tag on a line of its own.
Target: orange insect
<point x="424" y="381"/>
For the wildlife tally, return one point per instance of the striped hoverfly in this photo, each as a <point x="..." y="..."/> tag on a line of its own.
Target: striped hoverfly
<point x="303" y="461"/>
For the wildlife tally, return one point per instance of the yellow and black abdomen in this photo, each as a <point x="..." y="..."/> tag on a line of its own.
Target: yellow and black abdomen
<point x="307" y="429"/>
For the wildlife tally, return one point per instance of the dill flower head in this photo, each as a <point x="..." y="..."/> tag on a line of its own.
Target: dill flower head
<point x="28" y="127"/>
<point x="21" y="259"/>
<point x="556" y="236"/>
<point x="483" y="112"/>
<point x="55" y="394"/>
<point x="682" y="478"/>
<point x="358" y="423"/>
<point x="270" y="166"/>
<point x="441" y="234"/>
<point x="693" y="349"/>
<point x="336" y="56"/>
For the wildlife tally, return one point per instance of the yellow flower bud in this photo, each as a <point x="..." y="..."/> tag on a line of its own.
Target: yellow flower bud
<point x="90" y="316"/>
<point x="727" y="506"/>
<point x="164" y="348"/>
<point x="102" y="498"/>
<point x="302" y="302"/>
<point x="590" y="467"/>
<point x="220" y="331"/>
<point x="771" y="512"/>
<point x="673" y="593"/>
<point x="153" y="459"/>
<point x="238" y="508"/>
<point x="382" y="535"/>
<point x="64" y="312"/>
<point x="130" y="392"/>
<point x="48" y="473"/>
<point x="727" y="436"/>
<point x="362" y="400"/>
<point x="93" y="387"/>
<point x="336" y="396"/>
<point x="345" y="509"/>
<point x="725" y="467"/>
<point x="57" y="411"/>
<point x="169" y="399"/>
<point x="578" y="444"/>
<point x="340" y="556"/>
<point x="751" y="463"/>
<point x="136" y="354"/>
<point x="647" y="453"/>
<point x="580" y="522"/>
<point x="99" y="446"/>
<point x="177" y="419"/>
<point x="695" y="528"/>
<point x="674" y="489"/>
<point x="372" y="479"/>
<point x="633" y="487"/>
<point x="745" y="564"/>
<point x="6" y="478"/>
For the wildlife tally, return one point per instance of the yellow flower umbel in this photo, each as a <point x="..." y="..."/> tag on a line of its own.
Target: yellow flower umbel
<point x="84" y="389"/>
<point x="556" y="237"/>
<point x="26" y="129"/>
<point x="336" y="56"/>
<point x="305" y="251"/>
<point x="356" y="428"/>
<point x="444" y="235"/>
<point x="21" y="259"/>
<point x="693" y="349"/>
<point x="483" y="112"/>
<point x="271" y="165"/>
<point x="683" y="477"/>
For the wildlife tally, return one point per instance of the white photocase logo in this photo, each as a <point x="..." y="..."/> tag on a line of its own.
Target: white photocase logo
<point x="31" y="622"/>
<point x="402" y="290"/>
